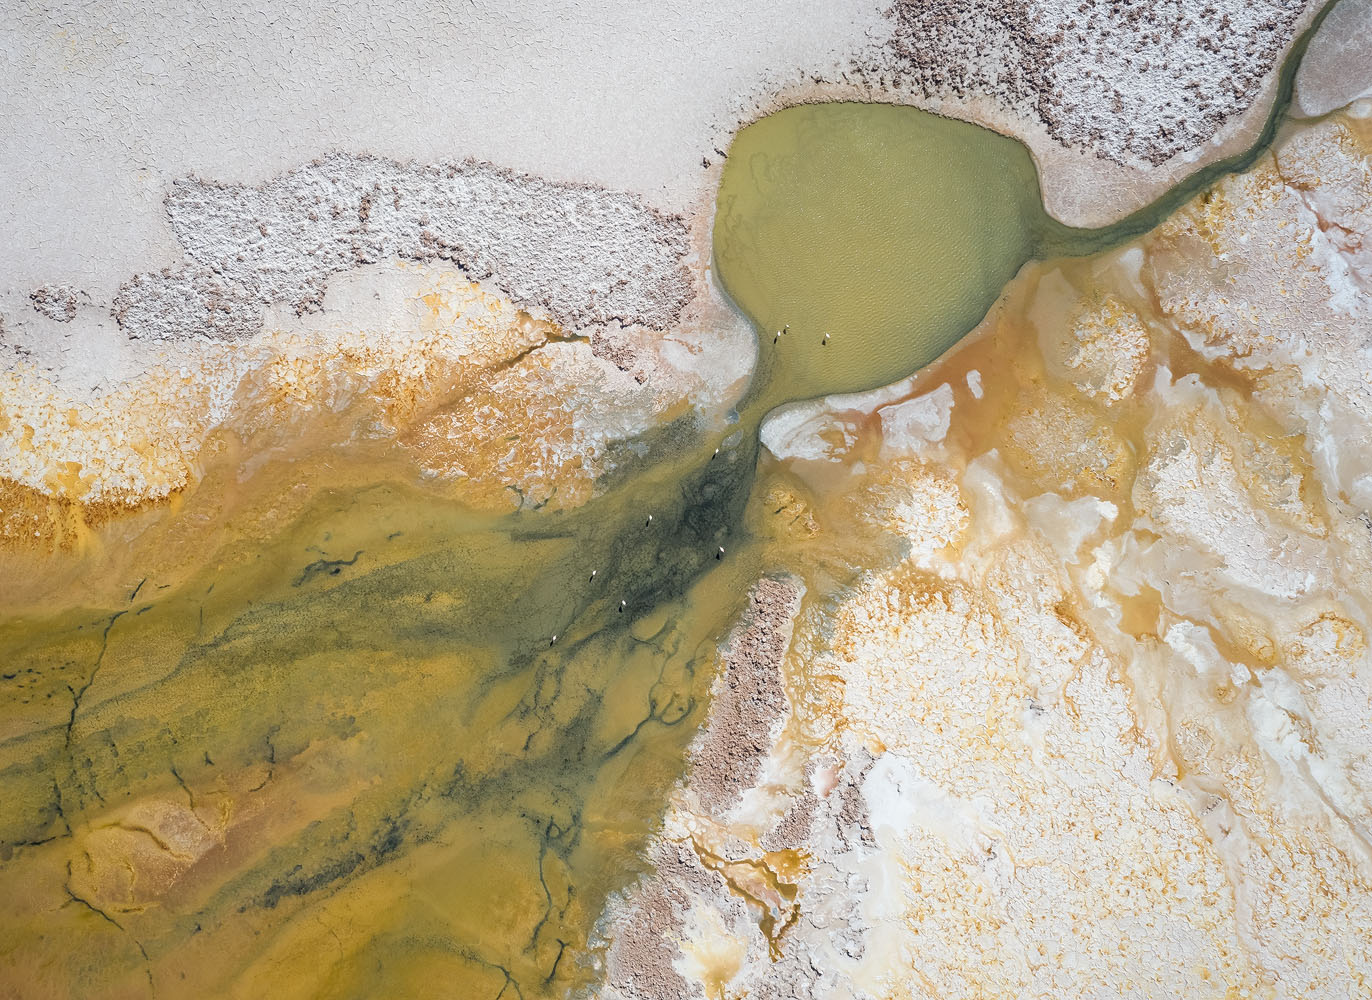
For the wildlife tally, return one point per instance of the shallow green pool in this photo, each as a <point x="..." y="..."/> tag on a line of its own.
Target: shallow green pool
<point x="888" y="228"/>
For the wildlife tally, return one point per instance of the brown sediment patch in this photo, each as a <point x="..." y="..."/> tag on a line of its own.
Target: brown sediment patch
<point x="640" y="959"/>
<point x="32" y="521"/>
<point x="792" y="831"/>
<point x="750" y="698"/>
<point x="616" y="347"/>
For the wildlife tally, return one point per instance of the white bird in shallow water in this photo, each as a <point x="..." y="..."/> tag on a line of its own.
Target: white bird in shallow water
<point x="593" y="573"/>
<point x="621" y="606"/>
<point x="825" y="341"/>
<point x="649" y="521"/>
<point x="554" y="639"/>
<point x="720" y="553"/>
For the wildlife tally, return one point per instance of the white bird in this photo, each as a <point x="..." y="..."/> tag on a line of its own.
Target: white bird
<point x="553" y="640"/>
<point x="649" y="521"/>
<point x="720" y="553"/>
<point x="593" y="573"/>
<point x="621" y="606"/>
<point x="825" y="341"/>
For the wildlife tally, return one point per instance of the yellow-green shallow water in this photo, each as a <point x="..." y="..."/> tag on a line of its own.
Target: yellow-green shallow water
<point x="362" y="729"/>
<point x="890" y="229"/>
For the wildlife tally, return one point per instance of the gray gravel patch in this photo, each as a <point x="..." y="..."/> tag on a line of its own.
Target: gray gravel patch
<point x="587" y="255"/>
<point x="56" y="302"/>
<point x="1131" y="80"/>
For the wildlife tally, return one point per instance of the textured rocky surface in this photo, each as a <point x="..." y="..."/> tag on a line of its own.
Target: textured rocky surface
<point x="56" y="302"/>
<point x="584" y="255"/>
<point x="1167" y="76"/>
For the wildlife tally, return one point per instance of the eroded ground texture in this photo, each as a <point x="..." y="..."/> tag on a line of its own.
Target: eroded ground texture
<point x="1171" y="74"/>
<point x="1091" y="714"/>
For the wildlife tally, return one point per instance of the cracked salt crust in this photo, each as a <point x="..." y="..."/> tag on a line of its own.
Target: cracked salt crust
<point x="1336" y="72"/>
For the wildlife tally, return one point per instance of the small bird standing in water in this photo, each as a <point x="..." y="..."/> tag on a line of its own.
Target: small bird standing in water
<point x="649" y="521"/>
<point x="593" y="573"/>
<point x="554" y="640"/>
<point x="712" y="457"/>
<point x="825" y="341"/>
<point x="621" y="606"/>
<point x="720" y="553"/>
